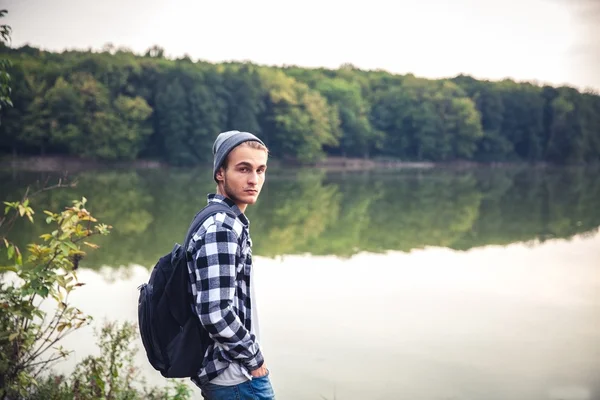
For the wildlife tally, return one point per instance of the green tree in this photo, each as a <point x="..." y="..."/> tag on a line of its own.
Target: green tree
<point x="83" y="120"/>
<point x="12" y="118"/>
<point x="559" y="142"/>
<point x="190" y="114"/>
<point x="488" y="101"/>
<point x="522" y="124"/>
<point x="298" y="122"/>
<point x="358" y="137"/>
<point x="245" y="98"/>
<point x="5" y="65"/>
<point x="427" y="120"/>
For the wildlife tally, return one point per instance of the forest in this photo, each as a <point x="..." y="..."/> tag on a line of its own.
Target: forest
<point x="114" y="105"/>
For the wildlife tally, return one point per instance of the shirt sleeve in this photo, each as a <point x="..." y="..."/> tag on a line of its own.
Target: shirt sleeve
<point x="216" y="275"/>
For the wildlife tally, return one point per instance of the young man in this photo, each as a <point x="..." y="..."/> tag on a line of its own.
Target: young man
<point x="221" y="275"/>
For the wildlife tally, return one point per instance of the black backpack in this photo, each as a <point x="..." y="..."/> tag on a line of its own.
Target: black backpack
<point x="171" y="332"/>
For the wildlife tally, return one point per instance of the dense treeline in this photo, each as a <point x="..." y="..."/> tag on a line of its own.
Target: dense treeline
<point x="115" y="105"/>
<point x="340" y="214"/>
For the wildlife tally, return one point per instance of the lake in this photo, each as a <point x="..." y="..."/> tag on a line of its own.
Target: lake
<point x="394" y="284"/>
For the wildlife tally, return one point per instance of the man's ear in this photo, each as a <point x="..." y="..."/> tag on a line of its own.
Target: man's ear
<point x="220" y="175"/>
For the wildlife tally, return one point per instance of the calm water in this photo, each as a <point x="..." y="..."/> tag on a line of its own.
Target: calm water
<point x="412" y="284"/>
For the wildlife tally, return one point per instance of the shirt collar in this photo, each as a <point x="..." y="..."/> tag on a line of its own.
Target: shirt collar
<point x="222" y="199"/>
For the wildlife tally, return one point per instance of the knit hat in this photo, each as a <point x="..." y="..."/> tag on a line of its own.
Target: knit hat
<point x="226" y="142"/>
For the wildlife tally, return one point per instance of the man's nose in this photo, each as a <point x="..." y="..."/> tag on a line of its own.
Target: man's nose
<point x="253" y="178"/>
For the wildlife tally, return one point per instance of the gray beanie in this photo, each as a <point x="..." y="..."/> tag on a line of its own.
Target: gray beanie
<point x="226" y="142"/>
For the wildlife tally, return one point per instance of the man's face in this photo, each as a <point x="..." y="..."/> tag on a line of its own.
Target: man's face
<point x="245" y="175"/>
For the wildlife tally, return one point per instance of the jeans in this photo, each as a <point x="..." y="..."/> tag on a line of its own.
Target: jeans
<point x="256" y="389"/>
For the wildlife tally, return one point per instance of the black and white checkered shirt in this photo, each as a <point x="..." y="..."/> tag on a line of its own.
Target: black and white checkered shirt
<point x="220" y="284"/>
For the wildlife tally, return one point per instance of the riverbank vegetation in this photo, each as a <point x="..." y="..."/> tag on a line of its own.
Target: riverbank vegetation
<point x="37" y="313"/>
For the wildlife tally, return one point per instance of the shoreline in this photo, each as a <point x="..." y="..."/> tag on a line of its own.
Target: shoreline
<point x="67" y="163"/>
<point x="334" y="163"/>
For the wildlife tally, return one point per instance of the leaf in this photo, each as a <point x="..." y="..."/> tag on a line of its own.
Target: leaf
<point x="11" y="252"/>
<point x="64" y="248"/>
<point x="92" y="245"/>
<point x="12" y="336"/>
<point x="72" y="245"/>
<point x="19" y="257"/>
<point x="8" y="207"/>
<point x="8" y="268"/>
<point x="61" y="327"/>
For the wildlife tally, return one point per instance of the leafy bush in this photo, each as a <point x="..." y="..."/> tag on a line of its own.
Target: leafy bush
<point x="110" y="376"/>
<point x="30" y="336"/>
<point x="29" y="342"/>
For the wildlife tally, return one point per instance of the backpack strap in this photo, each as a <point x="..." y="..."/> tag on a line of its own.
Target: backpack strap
<point x="208" y="211"/>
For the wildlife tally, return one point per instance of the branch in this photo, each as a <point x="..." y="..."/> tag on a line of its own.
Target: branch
<point x="46" y="361"/>
<point x="26" y="320"/>
<point x="59" y="185"/>
<point x="54" y="324"/>
<point x="58" y="338"/>
<point x="77" y="240"/>
<point x="10" y="224"/>
<point x="43" y="332"/>
<point x="50" y="363"/>
<point x="26" y="195"/>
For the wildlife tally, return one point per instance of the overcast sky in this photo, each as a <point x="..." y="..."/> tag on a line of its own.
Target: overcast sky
<point x="549" y="41"/>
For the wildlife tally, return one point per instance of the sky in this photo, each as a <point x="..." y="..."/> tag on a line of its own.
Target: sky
<point x="547" y="41"/>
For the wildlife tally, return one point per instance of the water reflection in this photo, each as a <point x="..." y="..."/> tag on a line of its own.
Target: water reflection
<point x="309" y="211"/>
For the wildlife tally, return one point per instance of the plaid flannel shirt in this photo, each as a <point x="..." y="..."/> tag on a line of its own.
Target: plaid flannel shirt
<point x="220" y="284"/>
